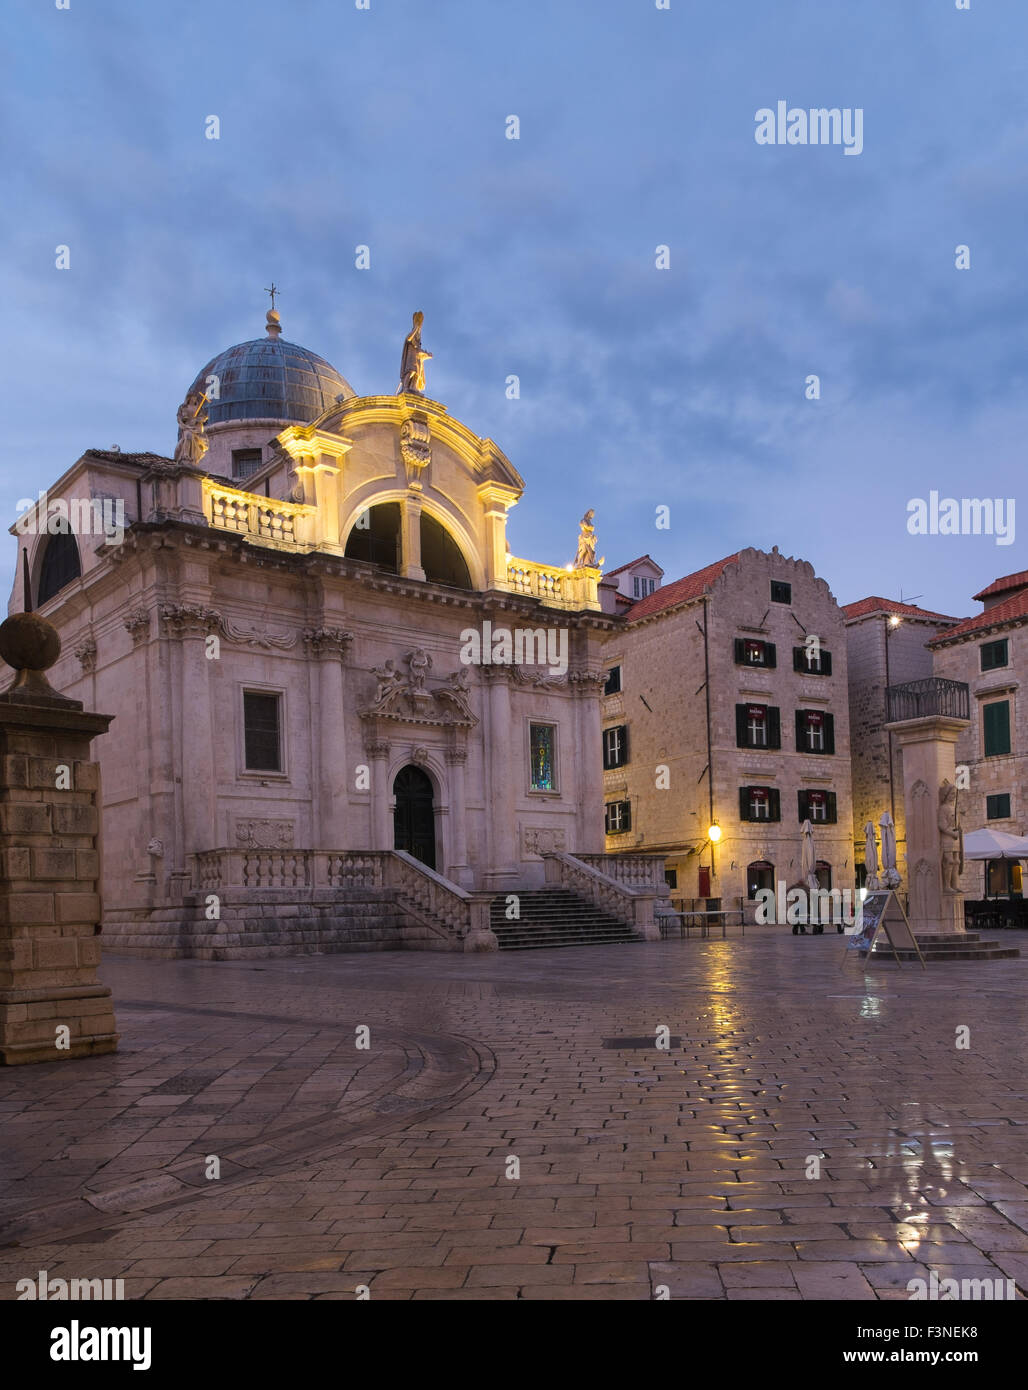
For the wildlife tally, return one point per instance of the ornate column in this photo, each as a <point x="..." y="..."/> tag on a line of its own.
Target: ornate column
<point x="587" y="687"/>
<point x="328" y="646"/>
<point x="502" y="768"/>
<point x="190" y="625"/>
<point x="929" y="766"/>
<point x="410" y="538"/>
<point x="496" y="500"/>
<point x="459" y="870"/>
<point x="377" y="750"/>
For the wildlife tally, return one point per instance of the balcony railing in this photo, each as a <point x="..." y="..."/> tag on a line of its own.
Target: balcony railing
<point x="934" y="695"/>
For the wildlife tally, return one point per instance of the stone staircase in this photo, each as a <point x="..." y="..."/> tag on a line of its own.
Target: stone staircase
<point x="962" y="946"/>
<point x="555" y="917"/>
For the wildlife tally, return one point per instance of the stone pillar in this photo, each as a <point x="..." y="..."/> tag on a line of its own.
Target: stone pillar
<point x="334" y="775"/>
<point x="459" y="871"/>
<point x="504" y="739"/>
<point x="927" y="745"/>
<point x="410" y="538"/>
<point x="51" y="1004"/>
<point x="377" y="750"/>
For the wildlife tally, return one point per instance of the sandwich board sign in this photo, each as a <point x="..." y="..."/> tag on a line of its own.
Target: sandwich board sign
<point x="883" y="911"/>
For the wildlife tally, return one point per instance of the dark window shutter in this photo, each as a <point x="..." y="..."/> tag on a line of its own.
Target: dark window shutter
<point x="801" y="732"/>
<point x="802" y="806"/>
<point x="774" y="727"/>
<point x="832" y="813"/>
<point x="741" y="731"/>
<point x="744" y="803"/>
<point x="829" y="733"/>
<point x="740" y="651"/>
<point x="606" y="755"/>
<point x="799" y="659"/>
<point x="624" y="744"/>
<point x="826" y="663"/>
<point x="770" y="654"/>
<point x="626" y="815"/>
<point x="997" y="728"/>
<point x="774" y="804"/>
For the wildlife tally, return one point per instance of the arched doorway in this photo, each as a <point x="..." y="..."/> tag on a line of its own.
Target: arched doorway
<point x="414" y="817"/>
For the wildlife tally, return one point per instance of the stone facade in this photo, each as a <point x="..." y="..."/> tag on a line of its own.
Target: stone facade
<point x="886" y="644"/>
<point x="958" y="655"/>
<point x="665" y="646"/>
<point x="219" y="600"/>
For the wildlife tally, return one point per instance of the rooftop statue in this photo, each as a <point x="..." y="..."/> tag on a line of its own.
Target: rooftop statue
<point x="586" y="556"/>
<point x="192" y="441"/>
<point x="412" y="364"/>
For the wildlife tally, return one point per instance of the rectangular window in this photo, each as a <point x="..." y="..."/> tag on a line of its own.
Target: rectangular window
<point x="261" y="731"/>
<point x="612" y="685"/>
<point x="617" y="817"/>
<point x="752" y="652"/>
<point x="994" y="655"/>
<point x="758" y="726"/>
<point x="780" y="593"/>
<point x="998" y="807"/>
<point x="817" y="805"/>
<point x="245" y="462"/>
<point x="671" y="878"/>
<point x="642" y="587"/>
<point x="542" y="739"/>
<point x="615" y="746"/>
<point x="760" y="803"/>
<point x="812" y="661"/>
<point x="996" y="726"/>
<point x="815" y="731"/>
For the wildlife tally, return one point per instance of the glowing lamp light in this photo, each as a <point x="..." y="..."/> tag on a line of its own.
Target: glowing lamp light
<point x="714" y="833"/>
<point x="895" y="620"/>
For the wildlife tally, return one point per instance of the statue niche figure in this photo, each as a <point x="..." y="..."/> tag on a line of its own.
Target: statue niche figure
<point x="192" y="417"/>
<point x="412" y="363"/>
<point x="951" y="838"/>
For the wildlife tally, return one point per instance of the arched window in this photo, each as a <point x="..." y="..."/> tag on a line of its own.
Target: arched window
<point x="441" y="558"/>
<point x="759" y="875"/>
<point x="60" y="564"/>
<point x="375" y="537"/>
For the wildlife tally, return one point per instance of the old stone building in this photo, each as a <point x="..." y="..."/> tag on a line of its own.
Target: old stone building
<point x="726" y="705"/>
<point x="987" y="652"/>
<point x="886" y="644"/>
<point x="308" y="750"/>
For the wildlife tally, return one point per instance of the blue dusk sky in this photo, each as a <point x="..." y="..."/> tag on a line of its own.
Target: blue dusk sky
<point x="640" y="387"/>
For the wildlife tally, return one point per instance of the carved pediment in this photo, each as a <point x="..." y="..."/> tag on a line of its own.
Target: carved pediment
<point x="408" y="700"/>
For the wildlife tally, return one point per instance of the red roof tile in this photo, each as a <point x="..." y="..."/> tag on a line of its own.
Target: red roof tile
<point x="680" y="591"/>
<point x="864" y="606"/>
<point x="1007" y="611"/>
<point x="1000" y="586"/>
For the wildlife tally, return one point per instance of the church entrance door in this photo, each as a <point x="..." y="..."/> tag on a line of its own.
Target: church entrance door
<point x="414" y="817"/>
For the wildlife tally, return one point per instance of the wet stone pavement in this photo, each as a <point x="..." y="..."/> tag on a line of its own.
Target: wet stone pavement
<point x="513" y="1130"/>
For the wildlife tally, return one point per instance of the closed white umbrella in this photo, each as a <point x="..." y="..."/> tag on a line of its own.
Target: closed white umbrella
<point x="808" y="860"/>
<point x="995" y="844"/>
<point x="870" y="856"/>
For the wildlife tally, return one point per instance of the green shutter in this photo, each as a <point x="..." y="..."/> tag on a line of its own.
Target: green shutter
<point x="832" y="812"/>
<point x="829" y="733"/>
<point x="826" y="663"/>
<point x="744" y="803"/>
<point x="740" y="651"/>
<point x="774" y="727"/>
<point x="741" y="732"/>
<point x="801" y="732"/>
<point x="770" y="654"/>
<point x="774" y="804"/>
<point x="996" y="719"/>
<point x="799" y="659"/>
<point x="801" y="806"/>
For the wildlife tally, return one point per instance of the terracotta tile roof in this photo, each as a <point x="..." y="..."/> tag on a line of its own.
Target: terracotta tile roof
<point x="680" y="591"/>
<point x="1010" y="610"/>
<point x="117" y="456"/>
<point x="864" y="606"/>
<point x="621" y="568"/>
<point x="1000" y="586"/>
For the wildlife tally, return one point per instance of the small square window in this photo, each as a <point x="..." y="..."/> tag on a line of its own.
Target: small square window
<point x="994" y="655"/>
<point x="612" y="684"/>
<point x="245" y="462"/>
<point x="617" y="817"/>
<point x="615" y="746"/>
<point x="998" y="807"/>
<point x="780" y="593"/>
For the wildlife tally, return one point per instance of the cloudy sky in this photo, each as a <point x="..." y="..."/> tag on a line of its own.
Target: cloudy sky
<point x="640" y="387"/>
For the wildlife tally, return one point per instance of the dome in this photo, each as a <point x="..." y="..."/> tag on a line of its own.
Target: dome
<point x="271" y="379"/>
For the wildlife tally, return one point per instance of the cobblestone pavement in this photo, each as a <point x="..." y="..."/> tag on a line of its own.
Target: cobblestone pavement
<point x="689" y="1168"/>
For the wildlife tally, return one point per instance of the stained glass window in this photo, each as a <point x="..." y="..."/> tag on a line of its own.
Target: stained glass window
<point x="544" y="775"/>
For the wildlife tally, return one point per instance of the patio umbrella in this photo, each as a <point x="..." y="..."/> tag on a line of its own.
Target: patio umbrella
<point x="808" y="860"/>
<point x="870" y="855"/>
<point x="995" y="844"/>
<point x="890" y="874"/>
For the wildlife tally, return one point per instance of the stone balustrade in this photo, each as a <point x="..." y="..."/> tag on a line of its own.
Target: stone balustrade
<point x="573" y="589"/>
<point x="262" y="520"/>
<point x="634" y="870"/>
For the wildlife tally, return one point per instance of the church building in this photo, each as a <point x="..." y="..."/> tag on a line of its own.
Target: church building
<point x="345" y="716"/>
